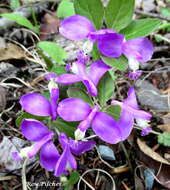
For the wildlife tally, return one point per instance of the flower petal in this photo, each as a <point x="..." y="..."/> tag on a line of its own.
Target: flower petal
<point x="54" y="96"/>
<point x="93" y="36"/>
<point x="110" y="44"/>
<point x="73" y="109"/>
<point x="36" y="104"/>
<point x="50" y="75"/>
<point x="34" y="130"/>
<point x="125" y="124"/>
<point x="78" y="148"/>
<point x="49" y="156"/>
<point x="131" y="99"/>
<point x="106" y="128"/>
<point x="139" y="48"/>
<point x="63" y="140"/>
<point x="76" y="27"/>
<point x="72" y="161"/>
<point x="97" y="70"/>
<point x="62" y="162"/>
<point x="91" y="88"/>
<point x="68" y="79"/>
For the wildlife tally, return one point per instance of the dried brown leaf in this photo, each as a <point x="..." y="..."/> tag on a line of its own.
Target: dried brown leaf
<point x="50" y="26"/>
<point x="165" y="127"/>
<point x="166" y="118"/>
<point x="149" y="152"/>
<point x="11" y="51"/>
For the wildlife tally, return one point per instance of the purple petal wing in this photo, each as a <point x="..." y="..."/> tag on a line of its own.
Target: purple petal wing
<point x="76" y="27"/>
<point x="68" y="79"/>
<point x="138" y="113"/>
<point x="63" y="140"/>
<point x="106" y="128"/>
<point x="37" y="146"/>
<point x="93" y="36"/>
<point x="72" y="161"/>
<point x="54" y="95"/>
<point x="131" y="99"/>
<point x="50" y="75"/>
<point x="78" y="148"/>
<point x="34" y="130"/>
<point x="125" y="124"/>
<point x="97" y="70"/>
<point x="91" y="88"/>
<point x="62" y="162"/>
<point x="73" y="109"/>
<point x="110" y="44"/>
<point x="36" y="104"/>
<point x="49" y="156"/>
<point x="139" y="48"/>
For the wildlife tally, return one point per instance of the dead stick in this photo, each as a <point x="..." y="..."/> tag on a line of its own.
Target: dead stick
<point x="154" y="15"/>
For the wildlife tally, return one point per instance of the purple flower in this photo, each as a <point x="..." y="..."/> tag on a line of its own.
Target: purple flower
<point x="146" y="131"/>
<point x="89" y="78"/>
<point x="36" y="104"/>
<point x="138" y="50"/>
<point x="41" y="137"/>
<point x="77" y="27"/>
<point x="130" y="112"/>
<point x="67" y="161"/>
<point x="109" y="130"/>
<point x="134" y="75"/>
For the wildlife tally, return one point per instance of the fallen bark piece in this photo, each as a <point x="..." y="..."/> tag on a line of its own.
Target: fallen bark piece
<point x="150" y="96"/>
<point x="2" y="98"/>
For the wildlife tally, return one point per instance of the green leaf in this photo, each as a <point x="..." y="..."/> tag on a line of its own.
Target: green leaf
<point x="165" y="11"/>
<point x="67" y="127"/>
<point x="118" y="13"/>
<point x="114" y="111"/>
<point x="14" y="4"/>
<point x="140" y="28"/>
<point x="79" y="93"/>
<point x="53" y="50"/>
<point x="73" y="179"/>
<point x="95" y="52"/>
<point x="105" y="89"/>
<point x="46" y="94"/>
<point x="58" y="69"/>
<point x="21" y="20"/>
<point x="65" y="9"/>
<point x="120" y="63"/>
<point x="25" y="115"/>
<point x="164" y="138"/>
<point x="92" y="9"/>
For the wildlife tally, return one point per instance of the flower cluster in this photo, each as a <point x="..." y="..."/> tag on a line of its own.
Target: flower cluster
<point x="110" y="43"/>
<point x="74" y="109"/>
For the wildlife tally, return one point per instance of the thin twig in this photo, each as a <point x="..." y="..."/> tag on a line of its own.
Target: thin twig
<point x="154" y="15"/>
<point x="92" y="170"/>
<point x="24" y="180"/>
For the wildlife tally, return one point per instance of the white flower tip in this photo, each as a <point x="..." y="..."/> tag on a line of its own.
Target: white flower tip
<point x="79" y="135"/>
<point x="142" y="123"/>
<point x="63" y="179"/>
<point x="133" y="64"/>
<point x="24" y="152"/>
<point x="88" y="46"/>
<point x="52" y="84"/>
